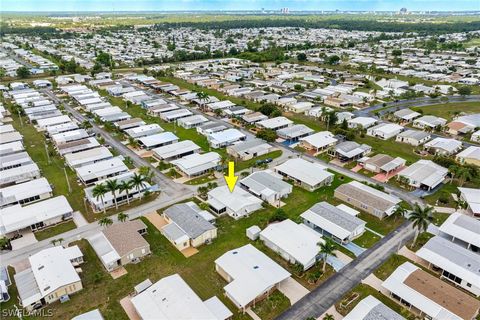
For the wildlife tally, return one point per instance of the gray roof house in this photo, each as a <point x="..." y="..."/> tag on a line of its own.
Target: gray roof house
<point x="188" y="226"/>
<point x="267" y="185"/>
<point x="333" y="222"/>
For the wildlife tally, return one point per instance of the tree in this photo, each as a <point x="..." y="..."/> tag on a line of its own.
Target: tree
<point x="398" y="212"/>
<point x="420" y="217"/>
<point x="204" y="206"/>
<point x="202" y="191"/>
<point x="268" y="135"/>
<point x="112" y="186"/>
<point x="332" y="60"/>
<point x="327" y="248"/>
<point x="464" y="91"/>
<point x="104" y="59"/>
<point x="125" y="186"/>
<point x="463" y="175"/>
<point x="138" y="182"/>
<point x="4" y="242"/>
<point x="146" y="172"/>
<point x="105" y="222"/>
<point x="279" y="215"/>
<point x="99" y="192"/>
<point x="396" y="52"/>
<point x="301" y="56"/>
<point x="328" y="317"/>
<point x="202" y="97"/>
<point x="122" y="217"/>
<point x="23" y="72"/>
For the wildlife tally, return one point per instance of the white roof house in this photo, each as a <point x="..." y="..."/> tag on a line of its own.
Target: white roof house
<point x="16" y="217"/>
<point x="455" y="261"/>
<point x="318" y="141"/>
<point x="12" y="147"/>
<point x="171" y="298"/>
<point x="44" y="123"/>
<point x="236" y="204"/>
<point x="145" y="130"/>
<point x="470" y="155"/>
<point x="176" y="114"/>
<point x="250" y="274"/>
<point x="310" y="175"/>
<point x="25" y="192"/>
<point x="370" y="308"/>
<point x="68" y="136"/>
<point x="90" y="156"/>
<point x="225" y="138"/>
<point x="444" y="146"/>
<point x="266" y="185"/>
<point x="192" y="121"/>
<point x="334" y="222"/>
<point x="20" y="174"/>
<point x="361" y="122"/>
<point x="50" y="269"/>
<point x="101" y="170"/>
<point x="462" y="228"/>
<point x="294" y="132"/>
<point x="429" y="122"/>
<point x="249" y="149"/>
<point x="158" y="140"/>
<point x="430" y="294"/>
<point x="406" y="114"/>
<point x="296" y="243"/>
<point x="176" y="150"/>
<point x="384" y="130"/>
<point x="197" y="164"/>
<point x="424" y="173"/>
<point x="472" y="197"/>
<point x="274" y="123"/>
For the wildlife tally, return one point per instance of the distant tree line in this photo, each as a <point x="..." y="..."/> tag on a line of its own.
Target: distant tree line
<point x="345" y="24"/>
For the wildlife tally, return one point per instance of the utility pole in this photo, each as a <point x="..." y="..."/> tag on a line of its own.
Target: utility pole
<point x="20" y="118"/>
<point x="68" y="181"/>
<point x="328" y="120"/>
<point x="46" y="152"/>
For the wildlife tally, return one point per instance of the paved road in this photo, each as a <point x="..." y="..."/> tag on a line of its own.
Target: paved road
<point x="17" y="59"/>
<point x="165" y="183"/>
<point x="418" y="102"/>
<point x="160" y="202"/>
<point x="318" y="301"/>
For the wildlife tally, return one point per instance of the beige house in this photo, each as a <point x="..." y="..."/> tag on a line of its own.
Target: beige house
<point x="366" y="198"/>
<point x="188" y="226"/>
<point x="50" y="276"/>
<point x="471" y="155"/>
<point x="121" y="243"/>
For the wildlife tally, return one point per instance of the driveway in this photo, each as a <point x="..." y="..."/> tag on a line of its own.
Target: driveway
<point x="129" y="309"/>
<point x="293" y="290"/>
<point x="157" y="220"/>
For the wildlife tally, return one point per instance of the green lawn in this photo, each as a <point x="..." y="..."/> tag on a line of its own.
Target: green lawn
<point x="390" y="147"/>
<point x="367" y="239"/>
<point x="383" y="226"/>
<point x="201" y="180"/>
<point x="55" y="230"/>
<point x="101" y="291"/>
<point x="36" y="146"/>
<point x="449" y="110"/>
<point x="242" y="165"/>
<point x="272" y="306"/>
<point x="361" y="291"/>
<point x="386" y="269"/>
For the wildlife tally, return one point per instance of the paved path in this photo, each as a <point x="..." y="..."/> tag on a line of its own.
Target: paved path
<point x="323" y="297"/>
<point x="293" y="290"/>
<point x="162" y="201"/>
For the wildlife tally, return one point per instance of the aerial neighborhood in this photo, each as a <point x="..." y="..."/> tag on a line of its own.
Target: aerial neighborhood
<point x="253" y="166"/>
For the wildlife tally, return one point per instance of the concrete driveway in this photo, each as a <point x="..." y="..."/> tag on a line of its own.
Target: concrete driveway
<point x="293" y="290"/>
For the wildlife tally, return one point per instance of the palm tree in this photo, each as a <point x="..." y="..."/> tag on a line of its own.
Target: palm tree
<point x="398" y="212"/>
<point x="202" y="96"/>
<point x="112" y="186"/>
<point x="328" y="317"/>
<point x="146" y="172"/>
<point x="125" y="186"/>
<point x="453" y="169"/>
<point x="421" y="218"/>
<point x="327" y="248"/>
<point x="138" y="182"/>
<point x="99" y="191"/>
<point x="105" y="222"/>
<point x="463" y="175"/>
<point x="122" y="217"/>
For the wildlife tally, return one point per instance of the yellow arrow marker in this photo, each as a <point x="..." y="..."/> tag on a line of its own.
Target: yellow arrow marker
<point x="231" y="179"/>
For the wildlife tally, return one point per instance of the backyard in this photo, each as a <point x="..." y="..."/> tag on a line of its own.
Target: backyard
<point x="450" y="110"/>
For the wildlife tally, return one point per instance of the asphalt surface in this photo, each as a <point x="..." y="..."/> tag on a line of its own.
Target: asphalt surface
<point x="318" y="301"/>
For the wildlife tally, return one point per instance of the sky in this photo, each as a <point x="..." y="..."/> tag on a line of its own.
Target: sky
<point x="235" y="5"/>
